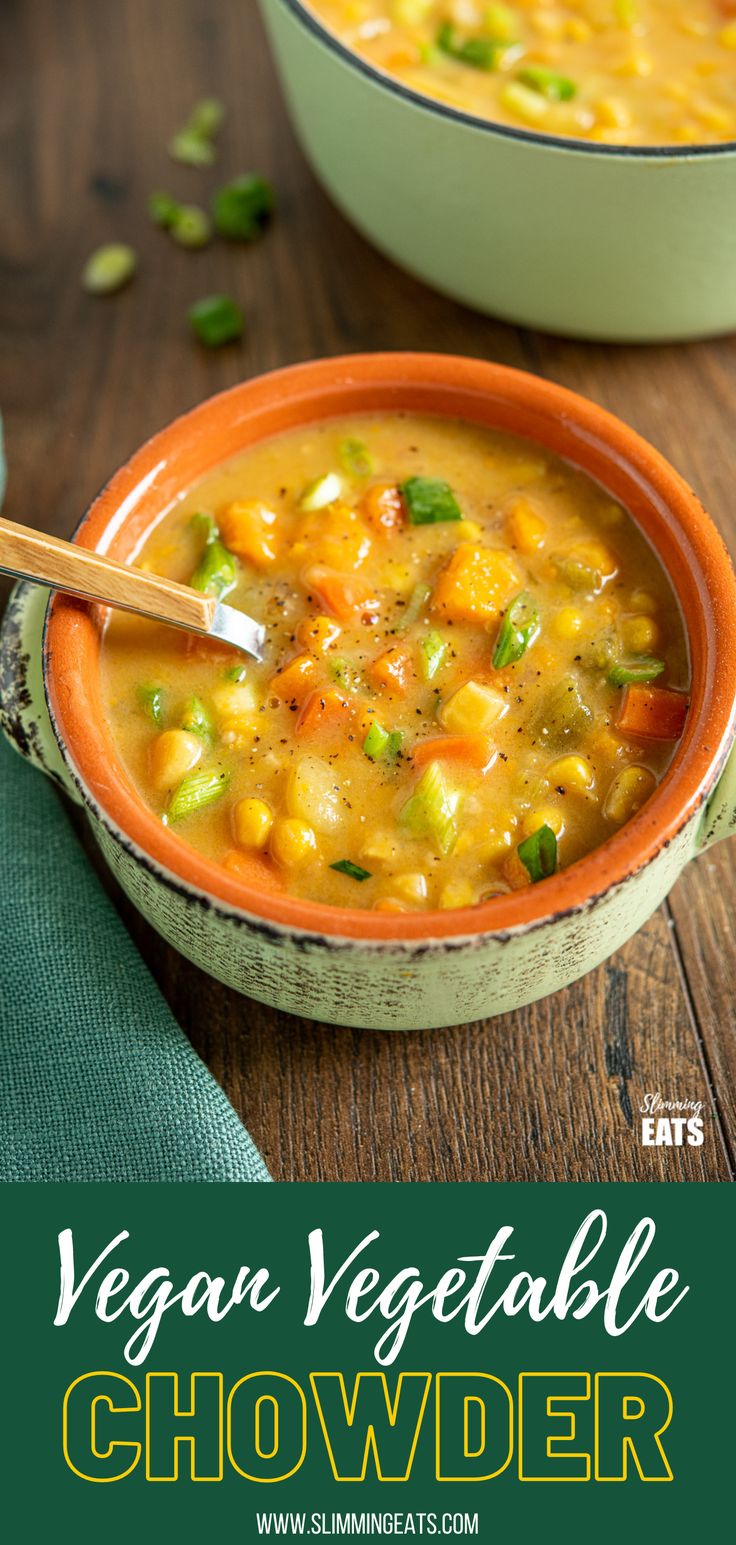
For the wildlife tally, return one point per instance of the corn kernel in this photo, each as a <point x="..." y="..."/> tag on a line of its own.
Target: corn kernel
<point x="638" y="64"/>
<point x="546" y="815"/>
<point x="571" y="772"/>
<point x="473" y="708"/>
<point x="494" y="844"/>
<point x="469" y="530"/>
<point x="568" y="623"/>
<point x="410" y="887"/>
<point x="639" y="634"/>
<point x="628" y="792"/>
<point x="716" y="117"/>
<point x="252" y="822"/>
<point x="727" y="35"/>
<point x="642" y="601"/>
<point x="457" y="893"/>
<point x="578" y="30"/>
<point x="613" y="113"/>
<point x="293" y="843"/>
<point x="173" y="754"/>
<point x="525" y="529"/>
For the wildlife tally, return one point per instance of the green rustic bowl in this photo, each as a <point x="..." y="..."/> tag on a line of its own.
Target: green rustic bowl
<point x="595" y="241"/>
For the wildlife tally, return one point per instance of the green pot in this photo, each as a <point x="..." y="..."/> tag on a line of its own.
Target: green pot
<point x="587" y="240"/>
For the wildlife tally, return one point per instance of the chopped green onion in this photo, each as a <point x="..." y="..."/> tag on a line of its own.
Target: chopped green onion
<point x="432" y="651"/>
<point x="191" y="149"/>
<point x="321" y="492"/>
<point x="343" y="671"/>
<point x="432" y="808"/>
<point x="207" y="117"/>
<point x="356" y="458"/>
<point x="236" y="673"/>
<point x="109" y="268"/>
<point x="381" y="744"/>
<point x="196" y="791"/>
<point x="578" y="575"/>
<point x="428" y="500"/>
<point x="414" y="607"/>
<point x="217" y="571"/>
<point x="479" y="53"/>
<point x="556" y="88"/>
<point x="353" y="871"/>
<point x="196" y="719"/>
<point x="242" y="208"/>
<point x="191" y="227"/>
<point x="163" y="210"/>
<point x="519" y="629"/>
<point x="216" y="320"/>
<point x="151" y="699"/>
<point x="646" y="669"/>
<point x="538" y="854"/>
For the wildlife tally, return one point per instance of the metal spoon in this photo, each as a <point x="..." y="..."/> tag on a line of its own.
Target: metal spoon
<point x="33" y="555"/>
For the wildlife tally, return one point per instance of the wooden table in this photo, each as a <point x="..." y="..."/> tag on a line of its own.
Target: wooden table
<point x="92" y="90"/>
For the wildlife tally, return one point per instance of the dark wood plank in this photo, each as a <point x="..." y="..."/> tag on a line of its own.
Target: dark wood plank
<point x="94" y="92"/>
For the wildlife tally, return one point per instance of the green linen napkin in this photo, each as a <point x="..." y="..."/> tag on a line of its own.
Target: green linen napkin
<point x="97" y="1081"/>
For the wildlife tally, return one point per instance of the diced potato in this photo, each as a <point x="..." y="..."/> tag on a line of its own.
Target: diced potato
<point x="476" y="584"/>
<point x="473" y="708"/>
<point x="457" y="893"/>
<point x="313" y="794"/>
<point x="235" y="700"/>
<point x="410" y="887"/>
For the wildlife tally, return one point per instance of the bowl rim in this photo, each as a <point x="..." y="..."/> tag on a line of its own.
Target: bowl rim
<point x="450" y="386"/>
<point x="303" y="13"/>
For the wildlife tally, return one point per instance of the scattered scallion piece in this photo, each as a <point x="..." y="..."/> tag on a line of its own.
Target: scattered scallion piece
<point x="216" y="320"/>
<point x="356" y="459"/>
<point x="236" y="673"/>
<point x="163" y="209"/>
<point x="577" y="574"/>
<point x="151" y="699"/>
<point x="194" y="144"/>
<point x="353" y="871"/>
<point x="646" y="669"/>
<point x="217" y="571"/>
<point x="519" y="629"/>
<point x="428" y="500"/>
<point x="432" y="808"/>
<point x="414" y="607"/>
<point x="538" y="854"/>
<point x="196" y="719"/>
<point x="109" y="268"/>
<point x="479" y="53"/>
<point x="344" y="673"/>
<point x="432" y="651"/>
<point x="321" y="492"/>
<point x="196" y="791"/>
<point x="549" y="84"/>
<point x="191" y="226"/>
<point x="207" y="117"/>
<point x="382" y="745"/>
<point x="243" y="207"/>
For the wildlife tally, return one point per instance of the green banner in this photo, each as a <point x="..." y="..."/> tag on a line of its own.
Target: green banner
<point x="342" y="1361"/>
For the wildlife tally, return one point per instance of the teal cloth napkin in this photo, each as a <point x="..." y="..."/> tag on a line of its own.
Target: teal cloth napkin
<point x="97" y="1080"/>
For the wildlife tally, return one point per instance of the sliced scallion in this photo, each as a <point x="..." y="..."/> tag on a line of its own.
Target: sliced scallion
<point x="414" y="607"/>
<point x="344" y="673"/>
<point x="109" y="268"/>
<point x="191" y="226"/>
<point x="163" y="209"/>
<point x="217" y="571"/>
<point x="151" y="699"/>
<point x="242" y="208"/>
<point x="196" y="719"/>
<point x="480" y="53"/>
<point x="321" y="492"/>
<point x="356" y="459"/>
<point x="538" y="854"/>
<point x="646" y="669"/>
<point x="432" y="809"/>
<point x="216" y="320"/>
<point x="196" y="791"/>
<point x="432" y="651"/>
<point x="519" y="629"/>
<point x="382" y="745"/>
<point x="549" y="84"/>
<point x="353" y="871"/>
<point x="429" y="500"/>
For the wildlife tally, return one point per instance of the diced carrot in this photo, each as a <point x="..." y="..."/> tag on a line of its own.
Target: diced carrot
<point x="343" y="595"/>
<point x="252" y="869"/>
<point x="393" y="670"/>
<point x="473" y="750"/>
<point x="324" y="710"/>
<point x="296" y="680"/>
<point x="475" y="585"/>
<point x="383" y="506"/>
<point x="656" y="713"/>
<point x="247" y="529"/>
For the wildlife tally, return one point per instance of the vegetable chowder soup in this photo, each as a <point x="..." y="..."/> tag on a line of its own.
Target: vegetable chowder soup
<point x="621" y="72"/>
<point x="475" y="671"/>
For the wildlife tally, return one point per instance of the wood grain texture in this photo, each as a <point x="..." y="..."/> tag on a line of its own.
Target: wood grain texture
<point x="92" y="91"/>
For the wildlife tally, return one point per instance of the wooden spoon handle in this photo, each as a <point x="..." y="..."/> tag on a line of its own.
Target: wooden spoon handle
<point x="64" y="566"/>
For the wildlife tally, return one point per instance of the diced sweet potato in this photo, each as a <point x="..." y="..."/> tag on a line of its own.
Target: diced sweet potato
<point x="393" y="670"/>
<point x="383" y="507"/>
<point x="476" y="584"/>
<point x="343" y="595"/>
<point x="324" y="710"/>
<point x="247" y="529"/>
<point x="296" y="680"/>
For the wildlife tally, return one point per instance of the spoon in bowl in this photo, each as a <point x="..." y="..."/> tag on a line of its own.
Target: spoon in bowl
<point x="34" y="555"/>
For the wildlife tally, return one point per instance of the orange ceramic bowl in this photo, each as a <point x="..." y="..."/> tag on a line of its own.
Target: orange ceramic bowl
<point x="410" y="969"/>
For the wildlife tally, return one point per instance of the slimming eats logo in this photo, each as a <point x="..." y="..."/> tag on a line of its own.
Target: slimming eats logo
<point x="568" y="1425"/>
<point x="671" y="1123"/>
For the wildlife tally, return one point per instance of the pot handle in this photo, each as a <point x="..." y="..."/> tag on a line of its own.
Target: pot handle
<point x="719" y="817"/>
<point x="24" y="717"/>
